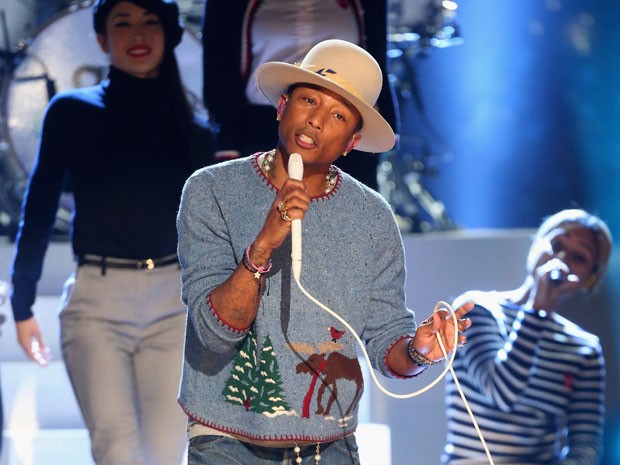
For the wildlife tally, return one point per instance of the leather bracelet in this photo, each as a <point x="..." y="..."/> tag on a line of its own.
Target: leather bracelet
<point x="417" y="358"/>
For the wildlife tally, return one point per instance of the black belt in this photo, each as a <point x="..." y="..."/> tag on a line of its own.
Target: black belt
<point x="127" y="264"/>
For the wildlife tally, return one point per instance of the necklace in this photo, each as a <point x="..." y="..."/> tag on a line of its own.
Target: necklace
<point x="317" y="454"/>
<point x="265" y="161"/>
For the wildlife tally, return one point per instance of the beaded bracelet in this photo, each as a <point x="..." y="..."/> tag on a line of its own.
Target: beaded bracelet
<point x="417" y="358"/>
<point x="257" y="270"/>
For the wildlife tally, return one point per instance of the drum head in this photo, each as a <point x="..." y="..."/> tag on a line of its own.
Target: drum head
<point x="64" y="54"/>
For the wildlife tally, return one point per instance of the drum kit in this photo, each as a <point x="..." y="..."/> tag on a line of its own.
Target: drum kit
<point x="62" y="53"/>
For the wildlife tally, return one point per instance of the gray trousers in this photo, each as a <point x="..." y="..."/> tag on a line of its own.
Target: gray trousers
<point x="122" y="343"/>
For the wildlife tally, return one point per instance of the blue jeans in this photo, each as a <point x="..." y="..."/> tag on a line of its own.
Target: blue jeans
<point x="219" y="450"/>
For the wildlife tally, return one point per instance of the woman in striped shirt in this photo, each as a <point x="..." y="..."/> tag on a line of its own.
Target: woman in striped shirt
<point x="534" y="380"/>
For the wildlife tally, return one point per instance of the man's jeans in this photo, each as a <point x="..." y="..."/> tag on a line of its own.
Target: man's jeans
<point x="219" y="450"/>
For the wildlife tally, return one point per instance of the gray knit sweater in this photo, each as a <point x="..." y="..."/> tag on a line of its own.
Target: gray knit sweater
<point x="294" y="374"/>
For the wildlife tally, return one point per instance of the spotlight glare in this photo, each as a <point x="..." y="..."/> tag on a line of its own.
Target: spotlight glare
<point x="449" y="5"/>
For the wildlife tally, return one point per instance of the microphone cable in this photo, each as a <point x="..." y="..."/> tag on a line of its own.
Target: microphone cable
<point x="295" y="171"/>
<point x="449" y="359"/>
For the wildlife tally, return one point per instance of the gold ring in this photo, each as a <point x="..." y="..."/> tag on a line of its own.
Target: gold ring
<point x="282" y="207"/>
<point x="285" y="217"/>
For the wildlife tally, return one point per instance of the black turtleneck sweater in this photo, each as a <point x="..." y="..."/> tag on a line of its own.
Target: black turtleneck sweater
<point x="127" y="157"/>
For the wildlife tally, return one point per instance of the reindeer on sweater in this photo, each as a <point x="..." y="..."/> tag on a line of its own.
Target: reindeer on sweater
<point x="330" y="366"/>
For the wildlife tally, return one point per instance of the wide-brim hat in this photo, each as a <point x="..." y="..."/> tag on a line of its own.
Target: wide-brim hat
<point x="344" y="68"/>
<point x="166" y="10"/>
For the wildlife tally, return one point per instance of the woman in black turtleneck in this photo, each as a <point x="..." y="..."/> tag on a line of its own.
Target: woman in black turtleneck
<point x="126" y="146"/>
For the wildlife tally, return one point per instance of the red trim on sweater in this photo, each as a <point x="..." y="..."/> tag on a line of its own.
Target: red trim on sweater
<point x="258" y="437"/>
<point x="221" y="320"/>
<point x="327" y="196"/>
<point x="387" y="354"/>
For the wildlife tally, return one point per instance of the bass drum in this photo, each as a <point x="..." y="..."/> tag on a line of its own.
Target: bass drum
<point x="63" y="54"/>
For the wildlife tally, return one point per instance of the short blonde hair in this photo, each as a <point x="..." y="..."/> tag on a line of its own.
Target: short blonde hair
<point x="577" y="218"/>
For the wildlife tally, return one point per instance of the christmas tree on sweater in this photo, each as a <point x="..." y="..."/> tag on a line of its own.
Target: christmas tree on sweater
<point x="255" y="381"/>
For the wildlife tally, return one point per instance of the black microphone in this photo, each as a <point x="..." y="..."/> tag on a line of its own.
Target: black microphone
<point x="556" y="277"/>
<point x="296" y="171"/>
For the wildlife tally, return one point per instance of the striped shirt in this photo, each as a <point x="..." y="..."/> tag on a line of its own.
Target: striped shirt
<point x="535" y="384"/>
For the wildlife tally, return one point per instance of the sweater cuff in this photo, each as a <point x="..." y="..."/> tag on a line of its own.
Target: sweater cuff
<point x="387" y="366"/>
<point x="221" y="320"/>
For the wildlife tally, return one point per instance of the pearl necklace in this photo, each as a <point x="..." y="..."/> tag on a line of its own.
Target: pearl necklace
<point x="265" y="162"/>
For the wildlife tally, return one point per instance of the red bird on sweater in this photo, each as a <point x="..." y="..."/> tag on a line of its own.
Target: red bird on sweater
<point x="335" y="333"/>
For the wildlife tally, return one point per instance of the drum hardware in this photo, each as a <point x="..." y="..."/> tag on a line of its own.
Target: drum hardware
<point x="12" y="179"/>
<point x="9" y="209"/>
<point x="96" y="74"/>
<point x="191" y="12"/>
<point x="50" y="84"/>
<point x="402" y="171"/>
<point x="400" y="179"/>
<point x="430" y="23"/>
<point x="5" y="31"/>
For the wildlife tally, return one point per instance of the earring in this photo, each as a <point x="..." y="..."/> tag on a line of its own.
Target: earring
<point x="591" y="281"/>
<point x="345" y="153"/>
<point x="278" y="117"/>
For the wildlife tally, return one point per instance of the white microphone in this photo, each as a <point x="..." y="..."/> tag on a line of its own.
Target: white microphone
<point x="296" y="171"/>
<point x="556" y="278"/>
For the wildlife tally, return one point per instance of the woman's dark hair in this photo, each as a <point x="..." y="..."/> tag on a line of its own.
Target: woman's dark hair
<point x="166" y="10"/>
<point x="168" y="13"/>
